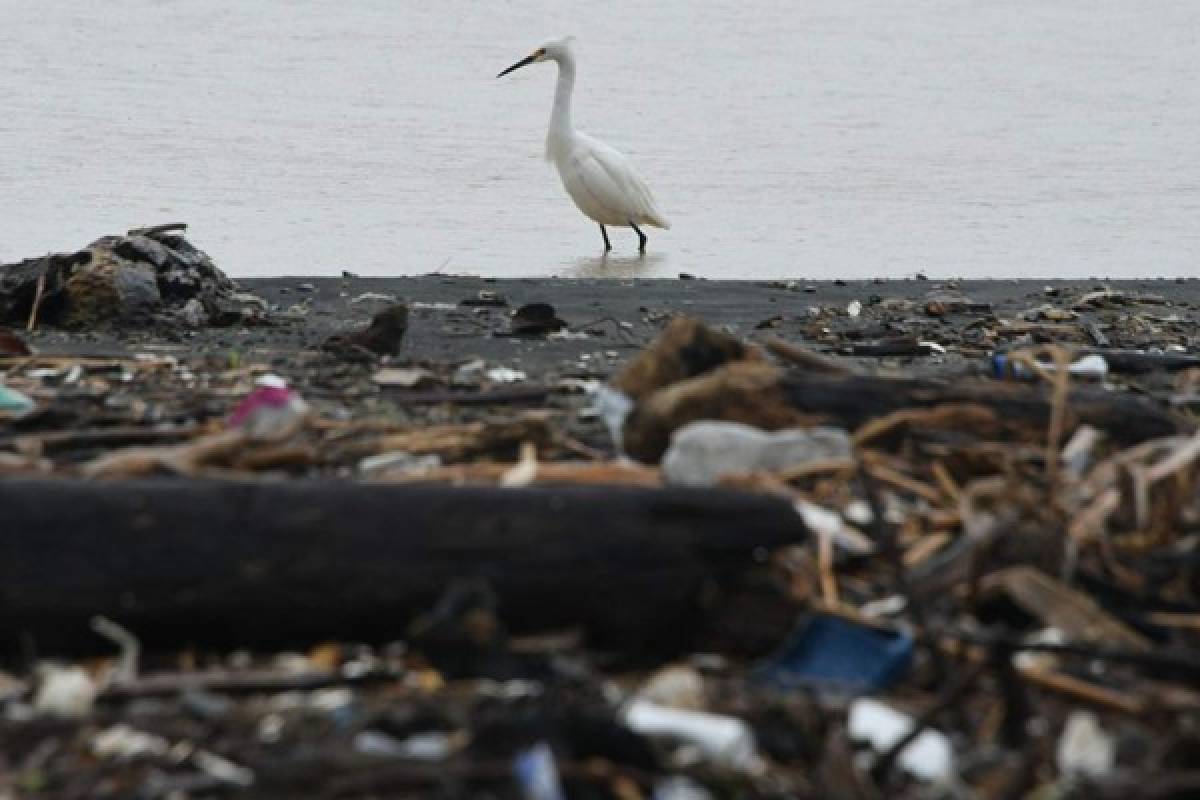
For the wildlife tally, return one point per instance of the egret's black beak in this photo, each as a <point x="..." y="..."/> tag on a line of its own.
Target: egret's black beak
<point x="524" y="62"/>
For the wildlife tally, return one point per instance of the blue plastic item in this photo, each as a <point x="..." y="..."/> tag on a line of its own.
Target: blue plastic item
<point x="837" y="655"/>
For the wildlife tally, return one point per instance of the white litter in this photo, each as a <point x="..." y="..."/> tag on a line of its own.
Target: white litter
<point x="1086" y="749"/>
<point x="726" y="741"/>
<point x="65" y="692"/>
<point x="929" y="757"/>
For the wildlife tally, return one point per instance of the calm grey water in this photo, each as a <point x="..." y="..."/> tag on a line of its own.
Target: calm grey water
<point x="981" y="138"/>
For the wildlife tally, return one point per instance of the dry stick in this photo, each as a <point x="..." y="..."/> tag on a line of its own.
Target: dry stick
<point x="153" y="229"/>
<point x="899" y="480"/>
<point x="1082" y="690"/>
<point x="829" y="589"/>
<point x="240" y="682"/>
<point x="131" y="648"/>
<point x="946" y="481"/>
<point x="887" y="537"/>
<point x="803" y="357"/>
<point x="37" y="302"/>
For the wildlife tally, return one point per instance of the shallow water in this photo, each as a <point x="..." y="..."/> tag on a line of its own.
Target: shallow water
<point x="821" y="139"/>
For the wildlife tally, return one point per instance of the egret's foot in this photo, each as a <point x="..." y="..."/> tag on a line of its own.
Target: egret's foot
<point x="641" y="238"/>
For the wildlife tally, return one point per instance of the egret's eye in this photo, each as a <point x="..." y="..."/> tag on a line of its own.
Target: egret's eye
<point x="540" y="53"/>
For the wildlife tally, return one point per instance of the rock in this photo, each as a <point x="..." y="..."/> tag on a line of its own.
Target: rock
<point x="686" y="348"/>
<point x="132" y="279"/>
<point x="106" y="287"/>
<point x="383" y="336"/>
<point x="702" y="452"/>
<point x="536" y="319"/>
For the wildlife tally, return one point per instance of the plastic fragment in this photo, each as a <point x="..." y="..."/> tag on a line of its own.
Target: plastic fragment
<point x="401" y="461"/>
<point x="223" y="769"/>
<point x="270" y="410"/>
<point x="537" y="774"/>
<point x="837" y="655"/>
<point x="1086" y="749"/>
<point x="505" y="375"/>
<point x="65" y="692"/>
<point x="676" y="686"/>
<point x="123" y="742"/>
<point x="724" y="740"/>
<point x="929" y="757"/>
<point x="701" y="452"/>
<point x="679" y="787"/>
<point x="612" y="406"/>
<point x="15" y="403"/>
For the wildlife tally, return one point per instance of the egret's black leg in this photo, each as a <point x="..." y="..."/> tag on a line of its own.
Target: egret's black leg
<point x="607" y="244"/>
<point x="641" y="238"/>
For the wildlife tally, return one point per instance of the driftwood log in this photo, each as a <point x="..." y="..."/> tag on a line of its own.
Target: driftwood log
<point x="768" y="397"/>
<point x="258" y="565"/>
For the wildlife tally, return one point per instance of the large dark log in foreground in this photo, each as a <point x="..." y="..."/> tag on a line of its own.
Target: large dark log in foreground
<point x="768" y="397"/>
<point x="269" y="565"/>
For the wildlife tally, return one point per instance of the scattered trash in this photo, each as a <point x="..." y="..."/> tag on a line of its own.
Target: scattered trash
<point x="400" y="462"/>
<point x="404" y="378"/>
<point x="834" y="655"/>
<point x="723" y="740"/>
<point x="485" y="298"/>
<point x="1089" y="366"/>
<point x="14" y="403"/>
<point x="675" y="686"/>
<point x="137" y="279"/>
<point x="271" y="411"/>
<point x="1005" y="565"/>
<point x="65" y="692"/>
<point x="678" y="787"/>
<point x="505" y="375"/>
<point x="1086" y="749"/>
<point x="702" y="452"/>
<point x="537" y="774"/>
<point x="929" y="757"/>
<point x="123" y="742"/>
<point x="374" y="297"/>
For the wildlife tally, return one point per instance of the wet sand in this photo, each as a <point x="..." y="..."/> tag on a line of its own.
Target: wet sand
<point x="617" y="316"/>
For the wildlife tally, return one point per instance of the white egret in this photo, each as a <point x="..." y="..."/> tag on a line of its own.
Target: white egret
<point x="598" y="178"/>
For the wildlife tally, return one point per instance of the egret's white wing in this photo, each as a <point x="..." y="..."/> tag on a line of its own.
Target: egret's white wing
<point x="607" y="188"/>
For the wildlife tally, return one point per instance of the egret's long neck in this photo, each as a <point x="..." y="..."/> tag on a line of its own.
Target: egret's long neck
<point x="561" y="129"/>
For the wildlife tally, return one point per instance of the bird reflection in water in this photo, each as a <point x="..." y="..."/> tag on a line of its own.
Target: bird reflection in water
<point x="647" y="265"/>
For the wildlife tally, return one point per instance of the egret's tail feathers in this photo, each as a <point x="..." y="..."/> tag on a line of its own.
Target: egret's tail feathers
<point x="658" y="220"/>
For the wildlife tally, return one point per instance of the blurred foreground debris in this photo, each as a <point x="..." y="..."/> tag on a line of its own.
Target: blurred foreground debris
<point x="966" y="568"/>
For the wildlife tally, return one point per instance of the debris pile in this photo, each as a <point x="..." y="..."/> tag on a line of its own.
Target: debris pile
<point x="149" y="275"/>
<point x="891" y="548"/>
